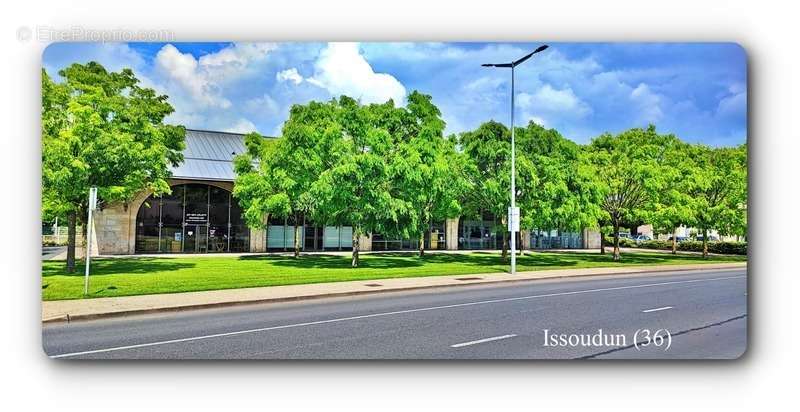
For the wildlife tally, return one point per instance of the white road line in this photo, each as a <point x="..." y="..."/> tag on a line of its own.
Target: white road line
<point x="475" y="342"/>
<point x="657" y="309"/>
<point x="374" y="315"/>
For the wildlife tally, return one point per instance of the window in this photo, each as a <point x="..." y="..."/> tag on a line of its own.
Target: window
<point x="194" y="218"/>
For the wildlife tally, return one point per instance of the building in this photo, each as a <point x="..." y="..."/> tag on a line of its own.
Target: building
<point x="201" y="216"/>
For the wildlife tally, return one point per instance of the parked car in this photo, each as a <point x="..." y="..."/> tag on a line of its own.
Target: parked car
<point x="624" y="235"/>
<point x="642" y="238"/>
<point x="711" y="238"/>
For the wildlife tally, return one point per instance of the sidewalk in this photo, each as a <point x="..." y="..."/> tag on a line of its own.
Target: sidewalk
<point x="69" y="310"/>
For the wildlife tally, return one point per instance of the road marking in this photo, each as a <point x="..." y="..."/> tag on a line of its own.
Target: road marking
<point x="475" y="342"/>
<point x="374" y="315"/>
<point x="657" y="309"/>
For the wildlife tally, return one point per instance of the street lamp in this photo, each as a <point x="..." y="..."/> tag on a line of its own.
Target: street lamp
<point x="513" y="211"/>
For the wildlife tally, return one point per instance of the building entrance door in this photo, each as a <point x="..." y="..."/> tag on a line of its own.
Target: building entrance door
<point x="195" y="239"/>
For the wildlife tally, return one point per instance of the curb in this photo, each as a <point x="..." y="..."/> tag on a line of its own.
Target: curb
<point x="67" y="318"/>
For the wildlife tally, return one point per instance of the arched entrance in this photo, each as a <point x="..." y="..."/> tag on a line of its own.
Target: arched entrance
<point x="194" y="218"/>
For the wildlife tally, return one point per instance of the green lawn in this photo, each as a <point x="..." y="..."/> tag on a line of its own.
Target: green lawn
<point x="146" y="275"/>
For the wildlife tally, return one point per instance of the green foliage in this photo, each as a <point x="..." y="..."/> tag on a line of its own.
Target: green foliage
<point x="721" y="247"/>
<point x="631" y="169"/>
<point x="557" y="190"/>
<point x="357" y="188"/>
<point x="103" y="129"/>
<point x="719" y="189"/>
<point x="426" y="169"/>
<point x="673" y="205"/>
<point x="488" y="150"/>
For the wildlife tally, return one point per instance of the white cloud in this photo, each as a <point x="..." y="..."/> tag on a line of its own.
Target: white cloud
<point x="734" y="104"/>
<point x="241" y="126"/>
<point x="204" y="78"/>
<point x="264" y="105"/>
<point x="342" y="70"/>
<point x="648" y="103"/>
<point x="547" y="99"/>
<point x="289" y="75"/>
<point x="184" y="70"/>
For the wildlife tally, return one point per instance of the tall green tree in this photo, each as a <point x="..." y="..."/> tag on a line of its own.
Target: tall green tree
<point x="358" y="190"/>
<point x="720" y="190"/>
<point x="103" y="129"/>
<point x="559" y="192"/>
<point x="629" y="171"/>
<point x="426" y="168"/>
<point x="275" y="176"/>
<point x="488" y="150"/>
<point x="673" y="205"/>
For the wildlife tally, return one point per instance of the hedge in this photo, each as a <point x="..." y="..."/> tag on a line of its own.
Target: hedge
<point x="727" y="248"/>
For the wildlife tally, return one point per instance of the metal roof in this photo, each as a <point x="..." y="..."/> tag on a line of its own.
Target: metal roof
<point x="209" y="155"/>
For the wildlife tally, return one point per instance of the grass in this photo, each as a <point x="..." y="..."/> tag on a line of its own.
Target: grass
<point x="148" y="275"/>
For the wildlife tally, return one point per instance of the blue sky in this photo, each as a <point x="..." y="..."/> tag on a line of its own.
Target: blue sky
<point x="697" y="91"/>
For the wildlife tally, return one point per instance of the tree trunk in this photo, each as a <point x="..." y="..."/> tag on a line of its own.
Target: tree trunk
<point x="356" y="238"/>
<point x="675" y="241"/>
<point x="297" y="233"/>
<point x="616" y="242"/>
<point x="705" y="243"/>
<point x="505" y="245"/>
<point x="422" y="244"/>
<point x="71" y="235"/>
<point x="602" y="242"/>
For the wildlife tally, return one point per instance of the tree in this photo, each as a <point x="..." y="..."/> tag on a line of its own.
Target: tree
<point x="287" y="168"/>
<point x="629" y="172"/>
<point x="673" y="205"/>
<point x="426" y="168"/>
<point x="102" y="129"/>
<point x="720" y="190"/>
<point x="488" y="150"/>
<point x="357" y="189"/>
<point x="559" y="191"/>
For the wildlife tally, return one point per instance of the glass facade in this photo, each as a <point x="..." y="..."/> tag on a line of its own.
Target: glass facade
<point x="435" y="239"/>
<point x="480" y="233"/>
<point x="555" y="239"/>
<point x="194" y="218"/>
<point x="281" y="232"/>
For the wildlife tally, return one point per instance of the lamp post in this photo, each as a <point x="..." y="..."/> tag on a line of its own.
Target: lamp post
<point x="513" y="211"/>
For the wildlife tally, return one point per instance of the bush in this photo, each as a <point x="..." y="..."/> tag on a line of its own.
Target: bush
<point x="623" y="242"/>
<point x="726" y="248"/>
<point x="657" y="244"/>
<point x="729" y="248"/>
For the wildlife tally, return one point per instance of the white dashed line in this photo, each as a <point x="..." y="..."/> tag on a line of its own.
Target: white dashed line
<point x="475" y="342"/>
<point x="657" y="309"/>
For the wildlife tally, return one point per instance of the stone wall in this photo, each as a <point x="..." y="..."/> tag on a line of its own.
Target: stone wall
<point x="451" y="233"/>
<point x="365" y="243"/>
<point x="591" y="239"/>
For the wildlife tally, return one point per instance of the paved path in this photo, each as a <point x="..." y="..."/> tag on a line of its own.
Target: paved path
<point x="705" y="312"/>
<point x="102" y="307"/>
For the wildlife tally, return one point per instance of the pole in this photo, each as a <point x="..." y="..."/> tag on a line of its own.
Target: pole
<point x="513" y="183"/>
<point x="88" y="252"/>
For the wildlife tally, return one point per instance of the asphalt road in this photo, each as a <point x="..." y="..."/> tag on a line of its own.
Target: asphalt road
<point x="704" y="311"/>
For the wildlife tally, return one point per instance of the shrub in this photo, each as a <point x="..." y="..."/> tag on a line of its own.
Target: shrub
<point x="623" y="242"/>
<point x="656" y="244"/>
<point x="727" y="248"/>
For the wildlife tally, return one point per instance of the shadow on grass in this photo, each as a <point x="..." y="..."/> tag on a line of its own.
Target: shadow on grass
<point x="402" y="260"/>
<point x="135" y="266"/>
